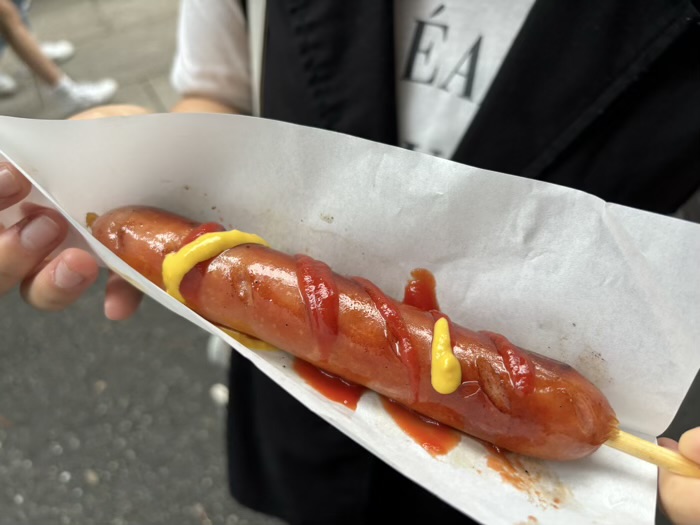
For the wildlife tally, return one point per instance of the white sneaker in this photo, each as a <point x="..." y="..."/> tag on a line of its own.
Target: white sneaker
<point x="58" y="51"/>
<point x="77" y="96"/>
<point x="218" y="351"/>
<point x="8" y="85"/>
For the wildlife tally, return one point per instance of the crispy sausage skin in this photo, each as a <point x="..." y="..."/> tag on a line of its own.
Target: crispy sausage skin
<point x="254" y="289"/>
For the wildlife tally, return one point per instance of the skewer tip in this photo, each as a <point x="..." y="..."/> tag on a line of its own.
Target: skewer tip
<point x="653" y="453"/>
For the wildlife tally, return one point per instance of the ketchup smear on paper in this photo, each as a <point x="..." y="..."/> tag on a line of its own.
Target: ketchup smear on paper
<point x="437" y="439"/>
<point x="331" y="386"/>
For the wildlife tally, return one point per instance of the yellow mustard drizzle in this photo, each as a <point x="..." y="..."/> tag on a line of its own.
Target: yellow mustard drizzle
<point x="248" y="340"/>
<point x="445" y="370"/>
<point x="177" y="264"/>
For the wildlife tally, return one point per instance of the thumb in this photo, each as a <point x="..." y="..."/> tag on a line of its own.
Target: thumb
<point x="689" y="445"/>
<point x="680" y="495"/>
<point x="668" y="443"/>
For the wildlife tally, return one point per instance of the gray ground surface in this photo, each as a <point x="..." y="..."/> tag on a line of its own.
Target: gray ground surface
<point x="132" y="41"/>
<point x="109" y="423"/>
<point x="113" y="423"/>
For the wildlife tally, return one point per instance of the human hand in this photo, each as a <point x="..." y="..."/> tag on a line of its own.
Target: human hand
<point x="680" y="495"/>
<point x="49" y="284"/>
<point x="111" y="110"/>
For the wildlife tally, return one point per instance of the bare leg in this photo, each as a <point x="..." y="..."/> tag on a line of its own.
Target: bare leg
<point x="23" y="43"/>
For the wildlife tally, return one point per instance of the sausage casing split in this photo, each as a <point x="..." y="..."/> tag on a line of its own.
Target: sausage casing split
<point x="255" y="289"/>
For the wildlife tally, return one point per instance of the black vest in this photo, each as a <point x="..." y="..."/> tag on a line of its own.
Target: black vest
<point x="602" y="96"/>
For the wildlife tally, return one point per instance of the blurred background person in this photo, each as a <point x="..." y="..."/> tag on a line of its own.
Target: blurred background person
<point x="41" y="60"/>
<point x="59" y="51"/>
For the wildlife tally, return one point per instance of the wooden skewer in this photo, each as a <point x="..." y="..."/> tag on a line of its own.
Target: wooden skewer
<point x="660" y="456"/>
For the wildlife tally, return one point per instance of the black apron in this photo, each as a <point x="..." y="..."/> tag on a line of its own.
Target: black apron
<point x="599" y="96"/>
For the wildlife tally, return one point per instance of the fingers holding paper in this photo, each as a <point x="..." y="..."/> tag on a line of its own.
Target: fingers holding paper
<point x="13" y="187"/>
<point x="25" y="247"/>
<point x="680" y="495"/>
<point x="58" y="283"/>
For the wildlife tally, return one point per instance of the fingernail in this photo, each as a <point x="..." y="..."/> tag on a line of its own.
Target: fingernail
<point x="9" y="185"/>
<point x="65" y="278"/>
<point x="39" y="233"/>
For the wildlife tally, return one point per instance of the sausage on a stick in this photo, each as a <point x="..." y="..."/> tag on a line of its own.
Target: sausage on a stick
<point x="483" y="385"/>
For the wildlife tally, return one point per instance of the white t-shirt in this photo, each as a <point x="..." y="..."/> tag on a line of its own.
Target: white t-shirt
<point x="212" y="58"/>
<point x="447" y="54"/>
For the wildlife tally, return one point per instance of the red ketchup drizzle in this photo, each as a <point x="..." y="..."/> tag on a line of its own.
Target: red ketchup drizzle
<point x="437" y="439"/>
<point x="318" y="288"/>
<point x="420" y="291"/>
<point x="191" y="283"/>
<point x="333" y="387"/>
<point x="397" y="329"/>
<point x="518" y="366"/>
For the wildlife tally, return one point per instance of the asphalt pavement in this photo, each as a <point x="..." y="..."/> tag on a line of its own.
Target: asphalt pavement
<point x="110" y="423"/>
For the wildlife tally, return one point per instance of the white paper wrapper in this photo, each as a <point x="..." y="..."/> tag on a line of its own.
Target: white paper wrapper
<point x="613" y="291"/>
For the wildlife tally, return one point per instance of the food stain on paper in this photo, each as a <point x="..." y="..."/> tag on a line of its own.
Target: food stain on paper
<point x="90" y="218"/>
<point x="531" y="520"/>
<point x="435" y="438"/>
<point x="331" y="386"/>
<point x="594" y="366"/>
<point x="529" y="476"/>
